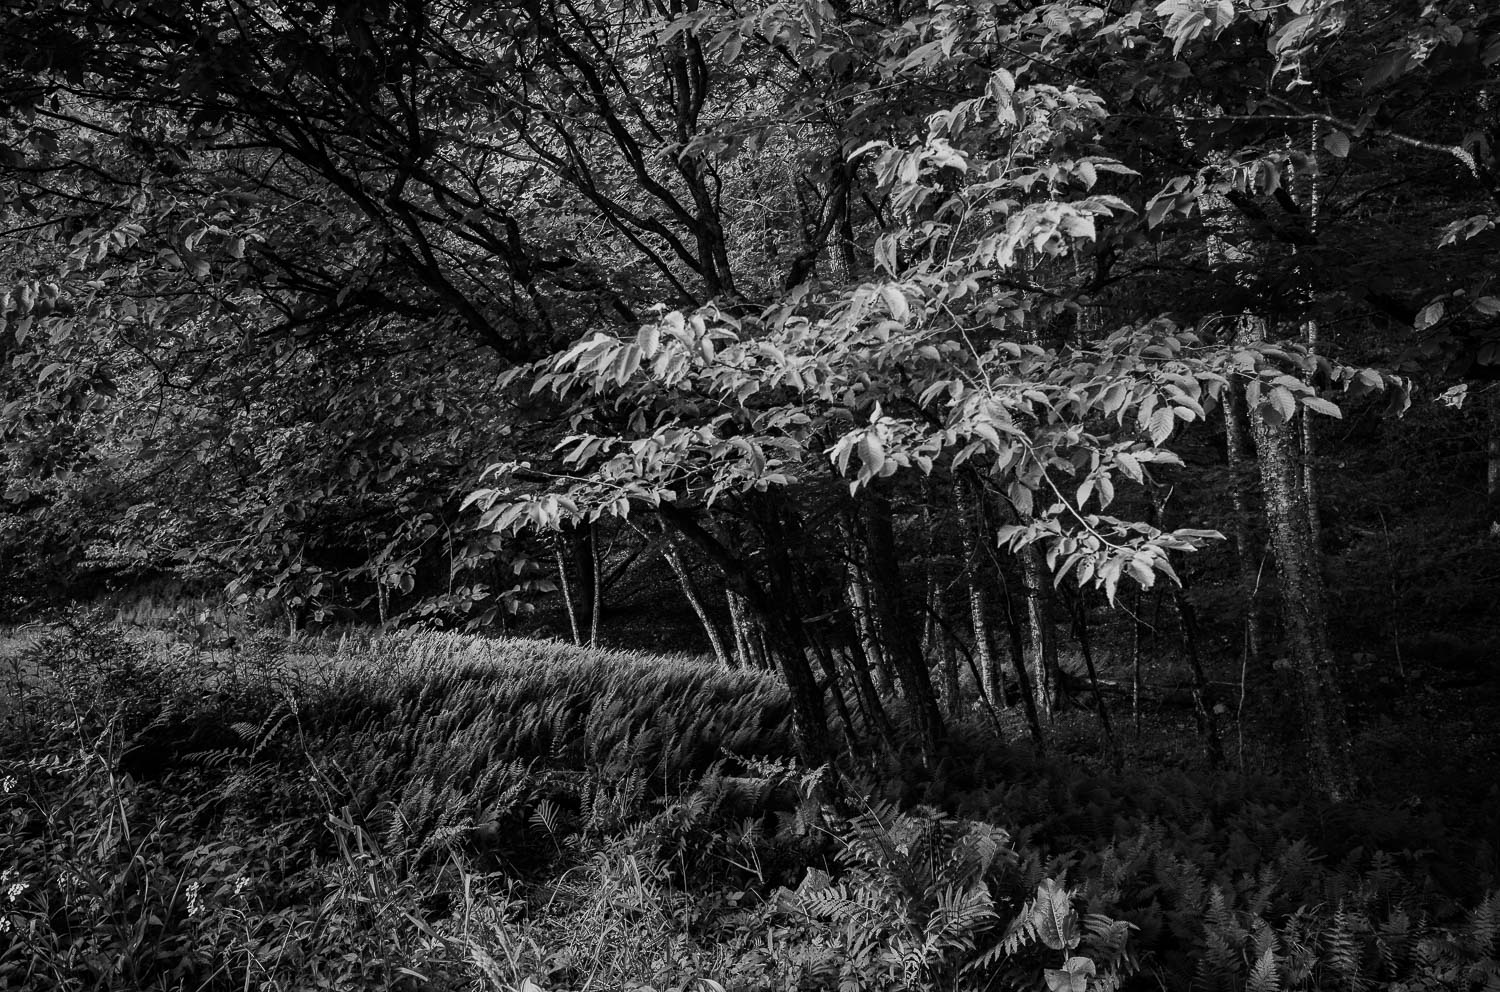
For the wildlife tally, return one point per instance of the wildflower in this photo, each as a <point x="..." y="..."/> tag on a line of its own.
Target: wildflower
<point x="7" y="784"/>
<point x="6" y="876"/>
<point x="241" y="884"/>
<point x="4" y="924"/>
<point x="194" y="904"/>
<point x="15" y="890"/>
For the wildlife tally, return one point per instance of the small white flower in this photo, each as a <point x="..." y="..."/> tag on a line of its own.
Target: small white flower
<point x="4" y="924"/>
<point x="7" y="784"/>
<point x="241" y="884"/>
<point x="15" y="890"/>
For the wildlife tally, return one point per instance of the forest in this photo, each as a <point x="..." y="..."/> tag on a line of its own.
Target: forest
<point x="734" y="495"/>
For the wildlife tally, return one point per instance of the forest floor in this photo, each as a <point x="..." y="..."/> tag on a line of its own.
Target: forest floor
<point x="435" y="811"/>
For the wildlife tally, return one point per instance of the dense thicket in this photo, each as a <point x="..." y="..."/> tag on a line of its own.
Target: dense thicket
<point x="856" y="315"/>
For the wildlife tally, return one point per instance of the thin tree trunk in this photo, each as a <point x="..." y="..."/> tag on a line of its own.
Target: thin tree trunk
<point x="951" y="687"/>
<point x="808" y="712"/>
<point x="796" y="599"/>
<point x="931" y="597"/>
<point x="807" y="695"/>
<point x="1203" y="715"/>
<point x="1043" y="637"/>
<point x="898" y="632"/>
<point x="1081" y="631"/>
<point x="1302" y="606"/>
<point x="932" y="635"/>
<point x="876" y="718"/>
<point x="826" y="661"/>
<point x="596" y="600"/>
<point x="737" y="628"/>
<point x="748" y="630"/>
<point x="762" y="637"/>
<point x="984" y="700"/>
<point x="1018" y="665"/>
<point x="1234" y="438"/>
<point x="846" y="237"/>
<point x="1206" y="718"/>
<point x="690" y="592"/>
<point x="971" y="526"/>
<point x="861" y="611"/>
<point x="562" y="580"/>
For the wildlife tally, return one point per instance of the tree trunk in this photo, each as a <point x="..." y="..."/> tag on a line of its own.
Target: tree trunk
<point x="861" y="611"/>
<point x="952" y="689"/>
<point x="762" y="638"/>
<point x="567" y="591"/>
<point x="971" y="526"/>
<point x="898" y="631"/>
<point x="932" y="634"/>
<point x="690" y="592"/>
<point x="876" y="718"/>
<point x="596" y="599"/>
<point x="826" y="661"/>
<point x="1234" y="438"/>
<point x="796" y="598"/>
<point x="1043" y="638"/>
<point x="1081" y="631"/>
<point x="1302" y="606"/>
<point x="739" y="623"/>
<point x="807" y="697"/>
<point x="1018" y="665"/>
<point x="808" y="712"/>
<point x="1203" y="713"/>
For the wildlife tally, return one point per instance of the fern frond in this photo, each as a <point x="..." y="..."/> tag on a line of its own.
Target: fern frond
<point x="1264" y="976"/>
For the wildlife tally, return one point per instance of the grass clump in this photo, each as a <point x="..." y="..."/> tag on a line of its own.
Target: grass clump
<point x="668" y="718"/>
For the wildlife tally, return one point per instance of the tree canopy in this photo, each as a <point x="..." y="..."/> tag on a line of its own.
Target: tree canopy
<point x="790" y="283"/>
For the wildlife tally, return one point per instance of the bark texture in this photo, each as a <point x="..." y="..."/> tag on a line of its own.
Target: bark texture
<point x="1244" y="550"/>
<point x="1043" y="638"/>
<point x="1302" y="603"/>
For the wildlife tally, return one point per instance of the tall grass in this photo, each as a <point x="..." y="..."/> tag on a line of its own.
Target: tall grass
<point x="562" y="706"/>
<point x="178" y="819"/>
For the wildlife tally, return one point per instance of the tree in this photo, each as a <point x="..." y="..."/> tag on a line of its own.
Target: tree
<point x="792" y="278"/>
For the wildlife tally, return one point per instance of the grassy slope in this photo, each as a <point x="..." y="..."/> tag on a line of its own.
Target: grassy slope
<point x="497" y="811"/>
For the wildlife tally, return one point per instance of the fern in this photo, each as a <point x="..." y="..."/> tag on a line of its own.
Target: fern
<point x="1484" y="926"/>
<point x="1341" y="952"/>
<point x="1264" y="976"/>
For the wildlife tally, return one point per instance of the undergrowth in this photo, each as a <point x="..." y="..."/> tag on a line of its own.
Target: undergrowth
<point x="427" y="812"/>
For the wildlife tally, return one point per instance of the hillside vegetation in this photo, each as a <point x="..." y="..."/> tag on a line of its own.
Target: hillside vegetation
<point x="431" y="811"/>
